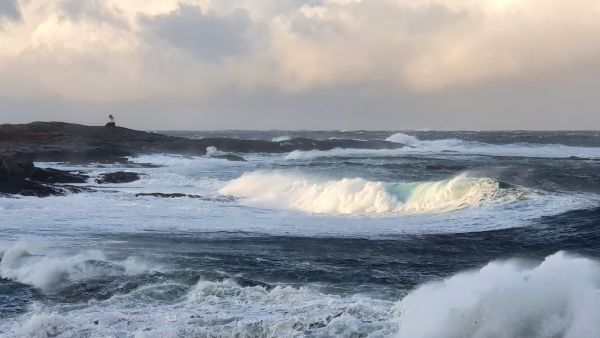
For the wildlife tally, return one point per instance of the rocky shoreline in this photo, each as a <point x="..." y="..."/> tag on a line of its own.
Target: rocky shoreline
<point x="23" y="144"/>
<point x="19" y="177"/>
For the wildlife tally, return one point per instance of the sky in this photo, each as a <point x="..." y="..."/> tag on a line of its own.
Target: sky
<point x="302" y="64"/>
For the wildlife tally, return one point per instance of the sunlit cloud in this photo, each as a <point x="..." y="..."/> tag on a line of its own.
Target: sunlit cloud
<point x="94" y="51"/>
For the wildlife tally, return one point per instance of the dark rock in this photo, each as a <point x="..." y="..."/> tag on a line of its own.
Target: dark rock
<point x="170" y="195"/>
<point x="24" y="187"/>
<point x="74" y="143"/>
<point x="19" y="177"/>
<point x="180" y="195"/>
<point x="245" y="283"/>
<point x="110" y="124"/>
<point x="230" y="157"/>
<point x="118" y="177"/>
<point x="10" y="167"/>
<point x="50" y="175"/>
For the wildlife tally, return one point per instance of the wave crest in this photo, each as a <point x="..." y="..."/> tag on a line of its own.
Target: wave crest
<point x="359" y="196"/>
<point x="403" y="138"/>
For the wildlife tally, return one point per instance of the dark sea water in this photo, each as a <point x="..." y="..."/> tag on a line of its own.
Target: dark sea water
<point x="460" y="234"/>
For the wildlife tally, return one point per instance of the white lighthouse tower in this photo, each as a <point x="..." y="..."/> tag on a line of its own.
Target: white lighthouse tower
<point x="111" y="121"/>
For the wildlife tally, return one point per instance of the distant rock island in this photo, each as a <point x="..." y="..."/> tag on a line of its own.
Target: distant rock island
<point x="23" y="144"/>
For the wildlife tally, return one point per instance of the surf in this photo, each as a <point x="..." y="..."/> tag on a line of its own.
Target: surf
<point x="356" y="196"/>
<point x="556" y="298"/>
<point x="414" y="145"/>
<point x="48" y="270"/>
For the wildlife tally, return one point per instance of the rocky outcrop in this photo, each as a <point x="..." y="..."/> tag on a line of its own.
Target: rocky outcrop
<point x="21" y="177"/>
<point x="67" y="142"/>
<point x="118" y="177"/>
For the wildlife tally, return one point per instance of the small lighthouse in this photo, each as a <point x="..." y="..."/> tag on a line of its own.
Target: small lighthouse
<point x="111" y="121"/>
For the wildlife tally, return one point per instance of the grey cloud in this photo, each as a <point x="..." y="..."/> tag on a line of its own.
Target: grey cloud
<point x="94" y="10"/>
<point x="205" y="35"/>
<point x="429" y="18"/>
<point x="10" y="9"/>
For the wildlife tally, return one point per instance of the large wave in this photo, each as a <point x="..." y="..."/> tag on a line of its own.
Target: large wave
<point x="557" y="298"/>
<point x="359" y="196"/>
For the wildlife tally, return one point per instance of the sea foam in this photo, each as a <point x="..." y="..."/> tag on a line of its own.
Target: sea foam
<point x="507" y="299"/>
<point x="452" y="145"/>
<point x="48" y="270"/>
<point x="511" y="299"/>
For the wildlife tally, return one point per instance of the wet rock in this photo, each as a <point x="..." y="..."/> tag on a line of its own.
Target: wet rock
<point x="180" y="195"/>
<point x="24" y="187"/>
<point x="118" y="177"/>
<point x="21" y="177"/>
<point x="74" y="143"/>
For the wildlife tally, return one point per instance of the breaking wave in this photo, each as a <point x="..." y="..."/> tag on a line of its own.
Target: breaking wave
<point x="27" y="263"/>
<point x="557" y="298"/>
<point x="212" y="309"/>
<point x="452" y="145"/>
<point x="510" y="299"/>
<point x="515" y="149"/>
<point x="359" y="196"/>
<point x="281" y="138"/>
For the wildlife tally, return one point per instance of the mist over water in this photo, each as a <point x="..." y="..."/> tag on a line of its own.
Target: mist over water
<point x="459" y="234"/>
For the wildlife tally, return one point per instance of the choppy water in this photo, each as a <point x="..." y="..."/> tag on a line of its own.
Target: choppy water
<point x="463" y="234"/>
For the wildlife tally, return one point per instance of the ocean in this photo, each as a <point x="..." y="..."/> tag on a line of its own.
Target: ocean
<point x="457" y="235"/>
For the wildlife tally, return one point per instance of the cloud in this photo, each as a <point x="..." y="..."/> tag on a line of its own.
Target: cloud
<point x="201" y="51"/>
<point x="433" y="45"/>
<point x="9" y="9"/>
<point x="208" y="36"/>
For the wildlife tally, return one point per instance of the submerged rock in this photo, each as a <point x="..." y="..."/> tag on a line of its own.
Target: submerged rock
<point x="118" y="177"/>
<point x="230" y="157"/>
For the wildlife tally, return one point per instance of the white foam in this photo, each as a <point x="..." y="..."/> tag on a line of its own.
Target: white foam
<point x="557" y="298"/>
<point x="281" y="138"/>
<point x="358" y="196"/>
<point x="210" y="151"/>
<point x="30" y="263"/>
<point x="210" y="309"/>
<point x="416" y="146"/>
<point x="403" y="138"/>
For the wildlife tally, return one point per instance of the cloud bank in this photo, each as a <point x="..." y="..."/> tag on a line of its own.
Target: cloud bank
<point x="194" y="53"/>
